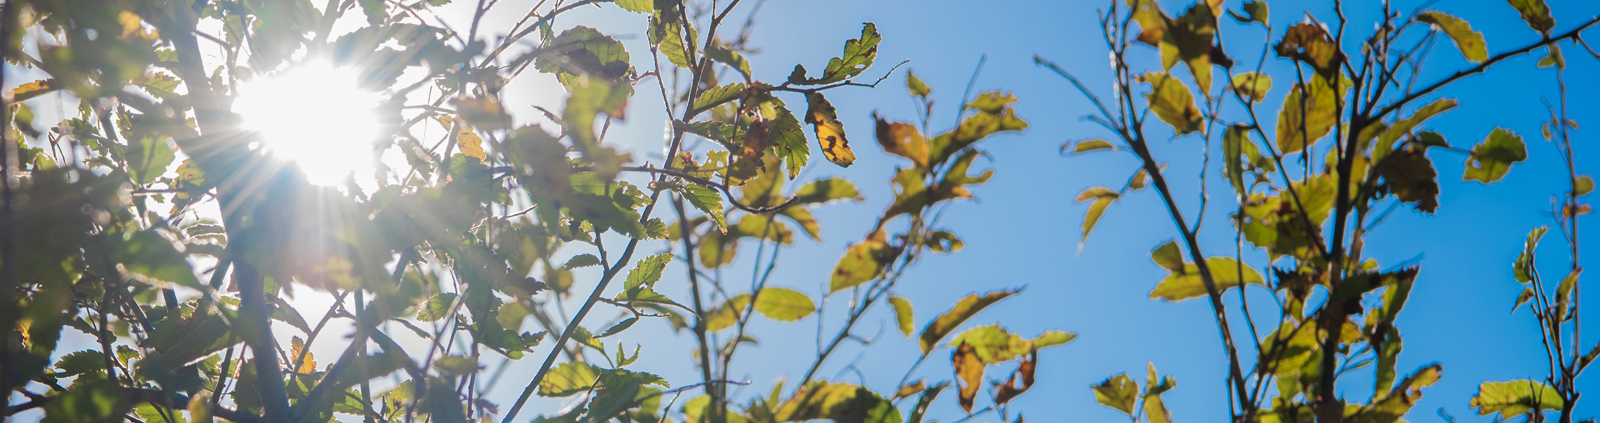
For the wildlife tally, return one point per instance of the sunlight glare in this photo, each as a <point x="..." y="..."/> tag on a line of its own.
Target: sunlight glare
<point x="316" y="116"/>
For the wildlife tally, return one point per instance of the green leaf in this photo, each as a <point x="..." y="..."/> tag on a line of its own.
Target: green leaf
<point x="584" y="51"/>
<point x="1515" y="398"/>
<point x="1168" y="256"/>
<point x="837" y="401"/>
<point x="1536" y="13"/>
<point x="98" y="402"/>
<point x="1254" y="10"/>
<point x="719" y="95"/>
<point x="1103" y="197"/>
<point x="1523" y="269"/>
<point x="619" y="327"/>
<point x="1051" y="338"/>
<point x="151" y="254"/>
<point x="581" y="261"/>
<point x="1583" y="185"/>
<point x="1492" y="158"/>
<point x="916" y="87"/>
<point x="646" y="272"/>
<point x="455" y="365"/>
<point x="729" y="57"/>
<point x="708" y="201"/>
<point x="857" y="57"/>
<point x="1252" y="84"/>
<point x="1117" y="392"/>
<point x="903" y="314"/>
<point x="1554" y="58"/>
<point x="1403" y="127"/>
<point x="637" y="6"/>
<point x="860" y="264"/>
<point x="1301" y="125"/>
<point x="941" y="326"/>
<point x="88" y="361"/>
<point x="827" y="190"/>
<point x="784" y="304"/>
<point x="993" y="344"/>
<point x="148" y="158"/>
<point x="437" y="307"/>
<point x="728" y="314"/>
<point x="1185" y="284"/>
<point x="1092" y="145"/>
<point x="568" y="378"/>
<point x="1172" y="102"/>
<point x="1470" y="42"/>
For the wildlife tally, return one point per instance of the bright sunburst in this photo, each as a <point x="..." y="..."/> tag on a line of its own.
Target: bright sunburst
<point x="316" y="116"/>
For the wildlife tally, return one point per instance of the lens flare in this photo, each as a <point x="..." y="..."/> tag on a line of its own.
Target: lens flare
<point x="316" y="116"/>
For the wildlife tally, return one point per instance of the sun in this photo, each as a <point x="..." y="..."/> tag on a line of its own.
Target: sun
<point x="316" y="116"/>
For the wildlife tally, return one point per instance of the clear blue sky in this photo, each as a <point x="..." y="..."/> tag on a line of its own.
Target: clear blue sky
<point x="1023" y="230"/>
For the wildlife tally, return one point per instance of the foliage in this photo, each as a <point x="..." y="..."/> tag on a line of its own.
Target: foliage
<point x="1306" y="205"/>
<point x="120" y="232"/>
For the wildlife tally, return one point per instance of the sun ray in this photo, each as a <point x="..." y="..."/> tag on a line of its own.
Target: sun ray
<point x="316" y="116"/>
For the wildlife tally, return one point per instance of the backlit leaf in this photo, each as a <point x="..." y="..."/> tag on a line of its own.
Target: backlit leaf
<point x="568" y="378"/>
<point x="902" y="139"/>
<point x="840" y="402"/>
<point x="1515" y="398"/>
<point x="857" y="57"/>
<point x="1470" y="42"/>
<point x="941" y="326"/>
<point x="1092" y="145"/>
<point x="1536" y="13"/>
<point x="1117" y="392"/>
<point x="784" y="304"/>
<point x="1225" y="272"/>
<point x="33" y="89"/>
<point x="1311" y="43"/>
<point x="969" y="374"/>
<point x="1492" y="158"/>
<point x="1303" y="123"/>
<point x="1251" y="84"/>
<point x="861" y="263"/>
<point x="916" y="86"/>
<point x="903" y="313"/>
<point x="1168" y="256"/>
<point x="824" y="121"/>
<point x="1172" y="101"/>
<point x="1103" y="197"/>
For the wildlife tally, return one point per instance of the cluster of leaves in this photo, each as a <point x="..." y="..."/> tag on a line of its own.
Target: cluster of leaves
<point x="438" y="248"/>
<point x="1307" y="204"/>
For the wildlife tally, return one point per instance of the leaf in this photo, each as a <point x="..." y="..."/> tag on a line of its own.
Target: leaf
<point x="1251" y="84"/>
<point x="33" y="89"/>
<point x="151" y="254"/>
<point x="1168" y="256"/>
<point x="1515" y="398"/>
<point x="708" y="201"/>
<point x="581" y="261"/>
<point x="148" y="158"/>
<point x="1254" y="10"/>
<point x="1554" y="58"/>
<point x="1403" y="127"/>
<point x="969" y="306"/>
<point x="1492" y="158"/>
<point x="1225" y="272"/>
<point x="1172" y="102"/>
<point x="1583" y="185"/>
<point x="719" y="95"/>
<point x="455" y="365"/>
<point x="95" y="402"/>
<point x="837" y="401"/>
<point x="916" y="87"/>
<point x="993" y="344"/>
<point x="729" y="57"/>
<point x="728" y="314"/>
<point x="1310" y="43"/>
<point x="568" y="378"/>
<point x="1410" y="176"/>
<point x="1301" y="125"/>
<point x="619" y="327"/>
<point x="1117" y="392"/>
<point x="1536" y="13"/>
<point x="471" y="145"/>
<point x="1102" y="197"/>
<point x="584" y="51"/>
<point x="646" y="272"/>
<point x="830" y="133"/>
<point x="827" y="190"/>
<point x="1096" y="144"/>
<point x="860" y="264"/>
<point x="857" y="57"/>
<point x="1470" y="42"/>
<point x="784" y="304"/>
<point x="969" y="374"/>
<point x="87" y="361"/>
<point x="436" y="307"/>
<point x="1051" y="338"/>
<point x="1523" y="269"/>
<point x="903" y="313"/>
<point x="902" y="139"/>
<point x="1152" y="21"/>
<point x="1156" y="411"/>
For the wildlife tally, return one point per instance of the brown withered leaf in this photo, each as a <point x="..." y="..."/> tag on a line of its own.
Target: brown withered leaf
<point x="969" y="370"/>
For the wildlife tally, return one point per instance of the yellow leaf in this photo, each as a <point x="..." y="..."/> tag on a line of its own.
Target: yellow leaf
<point x="132" y="26"/>
<point x="1172" y="102"/>
<point x="297" y="347"/>
<point x="33" y="89"/>
<point x="970" y="372"/>
<point x="471" y="144"/>
<point x="830" y="133"/>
